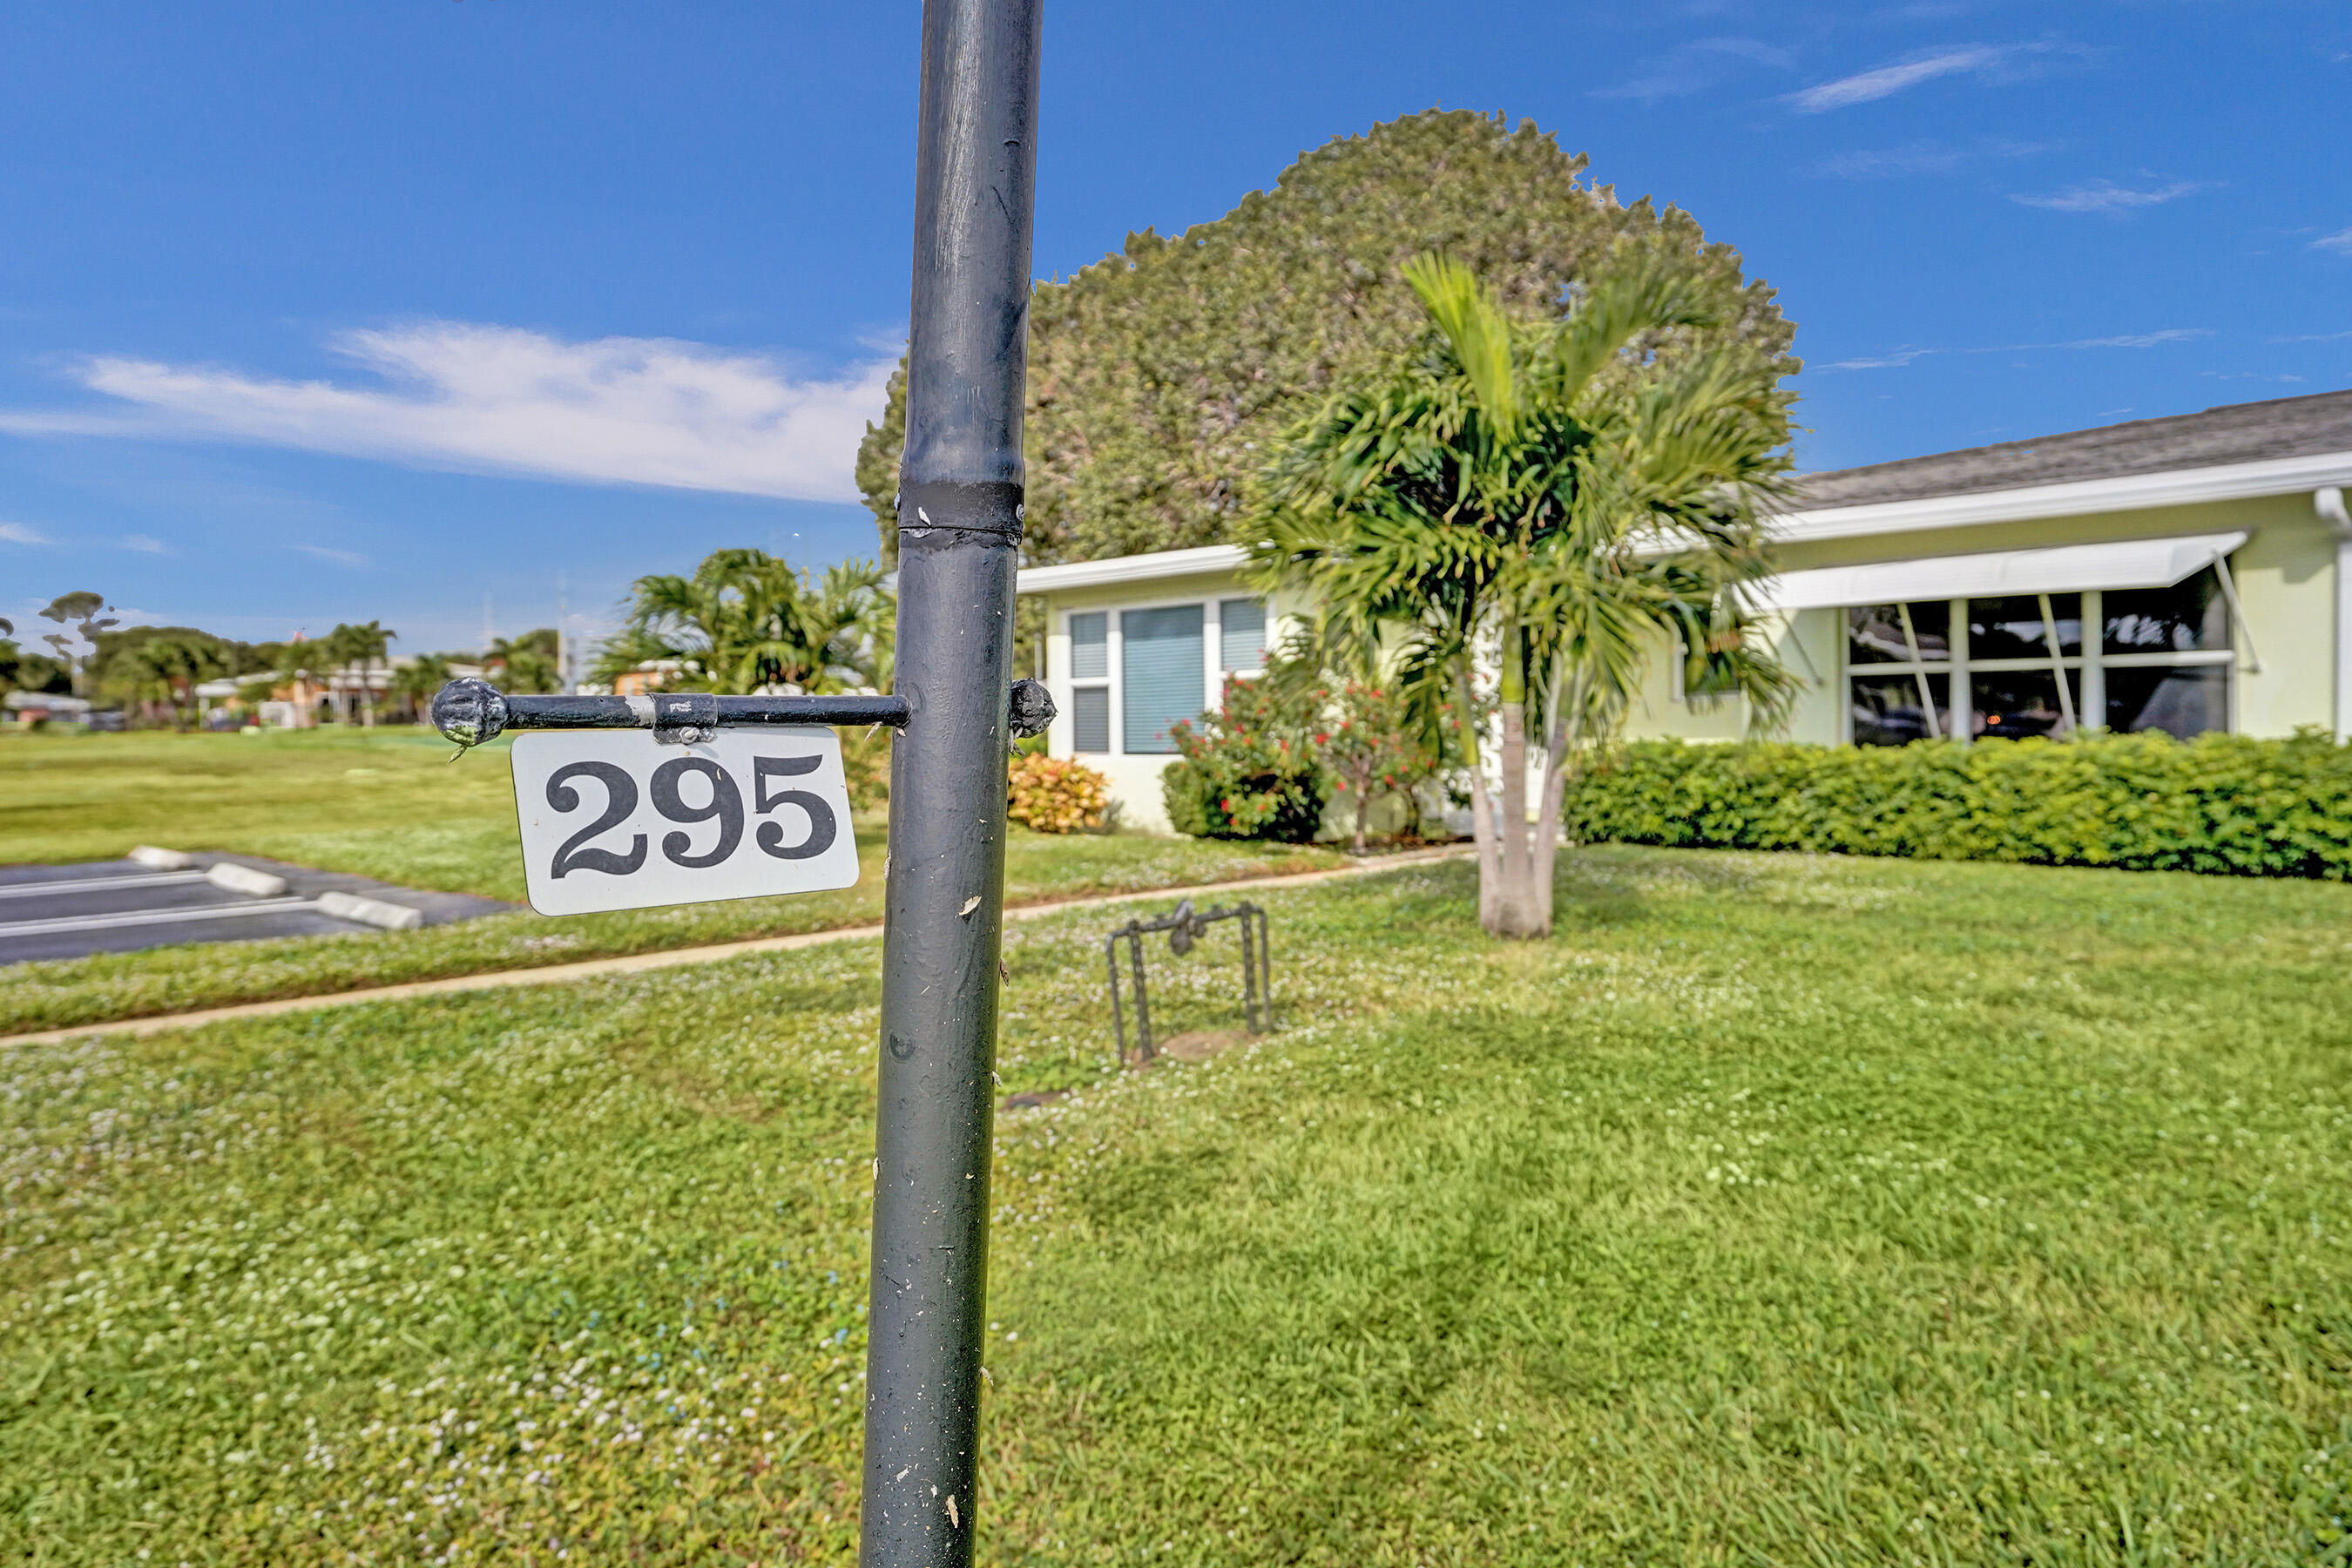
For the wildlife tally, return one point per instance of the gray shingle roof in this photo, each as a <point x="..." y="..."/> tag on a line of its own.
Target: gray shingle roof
<point x="2235" y="433"/>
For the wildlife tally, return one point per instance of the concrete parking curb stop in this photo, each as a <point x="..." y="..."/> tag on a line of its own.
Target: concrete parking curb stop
<point x="640" y="962"/>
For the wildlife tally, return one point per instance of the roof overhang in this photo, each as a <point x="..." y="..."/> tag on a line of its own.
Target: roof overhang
<point x="1120" y="569"/>
<point x="2176" y="487"/>
<point x="2061" y="569"/>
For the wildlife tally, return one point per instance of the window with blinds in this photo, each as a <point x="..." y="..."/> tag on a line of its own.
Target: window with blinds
<point x="1090" y="646"/>
<point x="1240" y="634"/>
<point x="1090" y="682"/>
<point x="1161" y="671"/>
<point x="1090" y="720"/>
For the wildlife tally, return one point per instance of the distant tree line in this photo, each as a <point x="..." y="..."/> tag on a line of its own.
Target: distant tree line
<point x="150" y="674"/>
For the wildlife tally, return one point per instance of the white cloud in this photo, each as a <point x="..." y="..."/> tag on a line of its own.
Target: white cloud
<point x="1898" y="358"/>
<point x="1920" y="158"/>
<point x="1884" y="81"/>
<point x="2106" y="197"/>
<point x="631" y="411"/>
<point x="145" y="544"/>
<point x="340" y="557"/>
<point x="1894" y="361"/>
<point x="17" y="533"/>
<point x="1693" y="67"/>
<point x="2128" y="341"/>
<point x="2340" y="242"/>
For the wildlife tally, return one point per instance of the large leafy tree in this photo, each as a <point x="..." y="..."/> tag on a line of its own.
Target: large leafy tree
<point x="1161" y="376"/>
<point x="746" y="621"/>
<point x="166" y="669"/>
<point x="1550" y="499"/>
<point x="157" y="668"/>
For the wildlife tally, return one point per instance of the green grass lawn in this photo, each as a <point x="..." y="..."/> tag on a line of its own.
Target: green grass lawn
<point x="1779" y="1210"/>
<point x="390" y="804"/>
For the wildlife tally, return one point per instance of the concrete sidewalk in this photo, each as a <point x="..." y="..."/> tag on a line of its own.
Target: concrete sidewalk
<point x="639" y="962"/>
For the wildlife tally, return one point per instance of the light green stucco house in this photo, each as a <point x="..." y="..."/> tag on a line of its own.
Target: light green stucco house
<point x="2186" y="573"/>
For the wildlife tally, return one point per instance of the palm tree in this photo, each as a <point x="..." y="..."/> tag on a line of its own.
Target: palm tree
<point x="301" y="664"/>
<point x="417" y="681"/>
<point x="365" y="645"/>
<point x="746" y="622"/>
<point x="1559" y="497"/>
<point x="527" y="663"/>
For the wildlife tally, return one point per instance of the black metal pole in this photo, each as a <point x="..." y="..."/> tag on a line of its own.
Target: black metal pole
<point x="960" y="515"/>
<point x="1118" y="1021"/>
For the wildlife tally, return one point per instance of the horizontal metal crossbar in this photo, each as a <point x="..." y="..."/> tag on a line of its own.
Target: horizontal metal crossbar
<point x="471" y="712"/>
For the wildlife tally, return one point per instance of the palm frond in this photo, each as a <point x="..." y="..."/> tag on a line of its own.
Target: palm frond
<point x="1475" y="326"/>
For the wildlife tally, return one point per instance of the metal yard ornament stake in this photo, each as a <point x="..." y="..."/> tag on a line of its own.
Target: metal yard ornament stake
<point x="960" y="516"/>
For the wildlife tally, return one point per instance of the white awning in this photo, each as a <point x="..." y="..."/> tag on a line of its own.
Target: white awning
<point x="2062" y="569"/>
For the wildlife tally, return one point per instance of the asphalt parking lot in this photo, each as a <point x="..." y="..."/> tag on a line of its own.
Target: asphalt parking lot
<point x="119" y="906"/>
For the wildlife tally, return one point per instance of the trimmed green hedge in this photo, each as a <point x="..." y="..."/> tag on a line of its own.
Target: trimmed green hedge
<point x="2222" y="803"/>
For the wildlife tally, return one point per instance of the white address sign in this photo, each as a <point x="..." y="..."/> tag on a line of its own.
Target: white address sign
<point x="612" y="820"/>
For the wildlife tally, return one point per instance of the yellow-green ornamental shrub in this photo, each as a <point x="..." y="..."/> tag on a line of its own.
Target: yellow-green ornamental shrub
<point x="1055" y="794"/>
<point x="2230" y="805"/>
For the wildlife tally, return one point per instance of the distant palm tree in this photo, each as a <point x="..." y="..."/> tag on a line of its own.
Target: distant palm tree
<point x="1559" y="496"/>
<point x="417" y="681"/>
<point x="746" y="621"/>
<point x="303" y="664"/>
<point x="366" y="646"/>
<point x="527" y="663"/>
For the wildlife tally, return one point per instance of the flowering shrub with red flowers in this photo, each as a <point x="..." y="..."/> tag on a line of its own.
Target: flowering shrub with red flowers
<point x="1055" y="794"/>
<point x="1249" y="769"/>
<point x="1370" y="742"/>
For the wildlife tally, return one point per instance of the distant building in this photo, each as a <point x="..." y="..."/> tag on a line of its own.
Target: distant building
<point x="33" y="707"/>
<point x="649" y="677"/>
<point x="2187" y="575"/>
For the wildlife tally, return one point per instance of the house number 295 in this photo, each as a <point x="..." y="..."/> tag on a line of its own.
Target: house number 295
<point x="612" y="820"/>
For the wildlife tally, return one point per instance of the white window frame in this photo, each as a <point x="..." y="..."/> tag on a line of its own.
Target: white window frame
<point x="1213" y="616"/>
<point x="1213" y="654"/>
<point x="1107" y="681"/>
<point x="2091" y="664"/>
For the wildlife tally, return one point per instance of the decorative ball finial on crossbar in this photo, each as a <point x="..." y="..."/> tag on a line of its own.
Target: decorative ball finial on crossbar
<point x="469" y="711"/>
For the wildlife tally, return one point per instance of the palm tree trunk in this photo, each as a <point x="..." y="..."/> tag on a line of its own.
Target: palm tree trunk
<point x="1516" y="914"/>
<point x="1559" y="756"/>
<point x="1482" y="805"/>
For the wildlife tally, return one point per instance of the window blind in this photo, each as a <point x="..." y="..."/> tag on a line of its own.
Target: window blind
<point x="1241" y="625"/>
<point x="1090" y="646"/>
<point x="1090" y="720"/>
<point x="1160" y="665"/>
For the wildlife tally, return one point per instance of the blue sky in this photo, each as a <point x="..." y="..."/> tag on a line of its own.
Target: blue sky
<point x="382" y="308"/>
